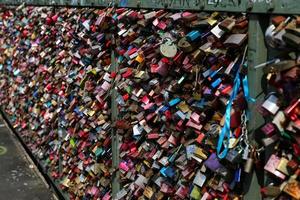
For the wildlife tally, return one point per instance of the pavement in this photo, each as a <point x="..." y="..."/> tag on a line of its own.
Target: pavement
<point x="19" y="177"/>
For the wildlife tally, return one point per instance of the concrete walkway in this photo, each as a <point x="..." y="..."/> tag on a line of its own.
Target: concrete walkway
<point x="19" y="179"/>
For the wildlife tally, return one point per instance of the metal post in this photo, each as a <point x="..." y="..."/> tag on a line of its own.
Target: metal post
<point x="115" y="138"/>
<point x="257" y="53"/>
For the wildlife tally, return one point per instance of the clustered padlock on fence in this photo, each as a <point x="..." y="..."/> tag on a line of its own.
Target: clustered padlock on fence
<point x="182" y="100"/>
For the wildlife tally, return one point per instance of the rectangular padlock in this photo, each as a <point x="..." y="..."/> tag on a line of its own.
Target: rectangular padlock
<point x="271" y="104"/>
<point x="271" y="166"/>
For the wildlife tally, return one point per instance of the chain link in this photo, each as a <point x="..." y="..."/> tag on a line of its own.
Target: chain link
<point x="244" y="135"/>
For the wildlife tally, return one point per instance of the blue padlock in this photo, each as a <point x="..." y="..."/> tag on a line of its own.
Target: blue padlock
<point x="193" y="36"/>
<point x="174" y="102"/>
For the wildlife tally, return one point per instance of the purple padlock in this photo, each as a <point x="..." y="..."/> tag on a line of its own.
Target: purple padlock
<point x="213" y="163"/>
<point x="269" y="129"/>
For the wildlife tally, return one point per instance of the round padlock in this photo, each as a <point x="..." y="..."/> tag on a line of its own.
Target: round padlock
<point x="168" y="48"/>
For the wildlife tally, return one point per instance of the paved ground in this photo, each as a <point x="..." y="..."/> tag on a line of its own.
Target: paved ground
<point x="19" y="179"/>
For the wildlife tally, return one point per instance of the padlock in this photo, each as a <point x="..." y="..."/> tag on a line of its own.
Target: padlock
<point x="185" y="46"/>
<point x="270" y="191"/>
<point x="269" y="129"/>
<point x="248" y="167"/>
<point x="157" y="99"/>
<point x="282" y="166"/>
<point x="227" y="24"/>
<point x="236" y="39"/>
<point x="168" y="48"/>
<point x="292" y="166"/>
<point x="271" y="104"/>
<point x="234" y="156"/>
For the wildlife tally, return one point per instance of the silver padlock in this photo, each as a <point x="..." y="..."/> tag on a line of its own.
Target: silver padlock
<point x="249" y="163"/>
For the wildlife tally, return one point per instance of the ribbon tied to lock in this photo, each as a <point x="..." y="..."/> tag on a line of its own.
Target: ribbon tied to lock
<point x="225" y="132"/>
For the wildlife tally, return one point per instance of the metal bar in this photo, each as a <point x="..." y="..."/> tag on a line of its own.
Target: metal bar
<point x="115" y="138"/>
<point x="273" y="6"/>
<point x="62" y="132"/>
<point x="257" y="53"/>
<point x="249" y="6"/>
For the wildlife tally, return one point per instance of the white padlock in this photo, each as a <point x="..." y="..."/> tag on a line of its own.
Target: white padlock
<point x="168" y="48"/>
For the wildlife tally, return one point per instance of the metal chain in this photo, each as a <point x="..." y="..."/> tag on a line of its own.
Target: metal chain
<point x="244" y="135"/>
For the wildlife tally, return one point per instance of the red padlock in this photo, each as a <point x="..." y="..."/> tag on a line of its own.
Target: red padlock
<point x="49" y="21"/>
<point x="235" y="119"/>
<point x="54" y="18"/>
